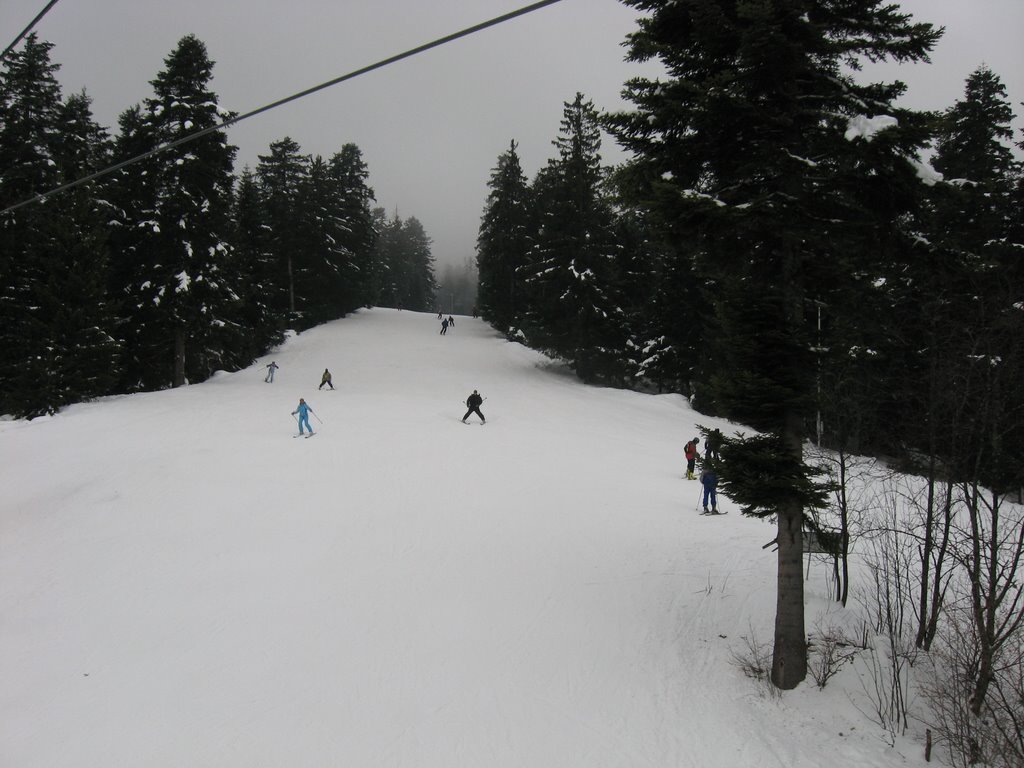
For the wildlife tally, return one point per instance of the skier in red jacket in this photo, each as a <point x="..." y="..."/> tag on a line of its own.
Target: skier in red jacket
<point x="691" y="458"/>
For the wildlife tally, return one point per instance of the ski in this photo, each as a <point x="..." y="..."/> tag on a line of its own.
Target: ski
<point x="712" y="514"/>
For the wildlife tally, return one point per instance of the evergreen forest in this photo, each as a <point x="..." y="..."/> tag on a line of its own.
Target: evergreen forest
<point x="173" y="266"/>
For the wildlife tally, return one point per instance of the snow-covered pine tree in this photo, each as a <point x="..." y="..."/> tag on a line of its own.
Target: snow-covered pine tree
<point x="83" y="349"/>
<point x="357" y="234"/>
<point x="503" y="242"/>
<point x="573" y="275"/>
<point x="29" y="116"/>
<point x="661" y="296"/>
<point x="55" y="323"/>
<point x="770" y="154"/>
<point x="182" y="301"/>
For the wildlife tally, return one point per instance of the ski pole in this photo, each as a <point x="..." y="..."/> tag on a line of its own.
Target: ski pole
<point x="315" y="416"/>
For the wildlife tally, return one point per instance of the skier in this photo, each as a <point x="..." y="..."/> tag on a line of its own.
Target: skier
<point x="303" y="411"/>
<point x="474" y="402"/>
<point x="451" y="321"/>
<point x="326" y="379"/>
<point x="709" y="480"/>
<point x="444" y="326"/>
<point x="690" y="452"/>
<point x="713" y="444"/>
<point x="270" y="372"/>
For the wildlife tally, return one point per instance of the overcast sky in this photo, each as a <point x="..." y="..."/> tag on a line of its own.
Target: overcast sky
<point x="430" y="128"/>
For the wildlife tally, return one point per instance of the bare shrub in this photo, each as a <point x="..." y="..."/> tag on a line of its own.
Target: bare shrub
<point x="889" y="603"/>
<point x="830" y="650"/>
<point x="755" y="661"/>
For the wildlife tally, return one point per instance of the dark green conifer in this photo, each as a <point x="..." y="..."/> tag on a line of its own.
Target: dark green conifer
<point x="503" y="242"/>
<point x="761" y="149"/>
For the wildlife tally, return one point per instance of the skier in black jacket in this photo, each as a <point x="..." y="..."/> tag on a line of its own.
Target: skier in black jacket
<point x="474" y="402"/>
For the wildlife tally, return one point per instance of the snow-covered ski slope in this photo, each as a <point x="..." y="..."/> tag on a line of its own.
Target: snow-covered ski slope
<point x="183" y="585"/>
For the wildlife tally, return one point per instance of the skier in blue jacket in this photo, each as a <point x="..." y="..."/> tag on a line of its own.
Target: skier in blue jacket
<point x="709" y="480"/>
<point x="303" y="411"/>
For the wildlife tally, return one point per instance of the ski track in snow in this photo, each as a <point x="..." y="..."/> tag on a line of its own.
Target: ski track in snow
<point x="182" y="584"/>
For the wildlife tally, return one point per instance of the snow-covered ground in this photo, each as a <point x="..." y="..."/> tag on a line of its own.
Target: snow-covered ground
<point x="183" y="584"/>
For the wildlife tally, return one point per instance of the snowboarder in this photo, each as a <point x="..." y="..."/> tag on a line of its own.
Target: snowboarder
<point x="444" y="326"/>
<point x="713" y="444"/>
<point x="474" y="402"/>
<point x="270" y="372"/>
<point x="709" y="480"/>
<point x="303" y="411"/>
<point x="690" y="451"/>
<point x="326" y="379"/>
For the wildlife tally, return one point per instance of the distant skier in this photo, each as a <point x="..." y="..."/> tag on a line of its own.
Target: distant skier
<point x="270" y="372"/>
<point x="326" y="379"/>
<point x="303" y="411"/>
<point x="690" y="451"/>
<point x="474" y="402"/>
<point x="444" y="326"/>
<point x="709" y="480"/>
<point x="451" y="321"/>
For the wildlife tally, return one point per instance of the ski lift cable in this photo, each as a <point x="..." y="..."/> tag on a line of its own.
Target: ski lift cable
<point x="281" y="102"/>
<point x="27" y="29"/>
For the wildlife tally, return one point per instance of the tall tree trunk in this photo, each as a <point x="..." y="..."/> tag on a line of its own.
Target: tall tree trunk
<point x="789" y="660"/>
<point x="986" y="591"/>
<point x="844" y="531"/>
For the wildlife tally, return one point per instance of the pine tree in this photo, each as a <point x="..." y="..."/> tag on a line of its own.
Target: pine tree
<point x="573" y="277"/>
<point x="763" y="148"/>
<point x="182" y="299"/>
<point x="30" y="104"/>
<point x="83" y="348"/>
<point x="420" y="286"/>
<point x="256" y="265"/>
<point x="357" y="233"/>
<point x="503" y="242"/>
<point x="282" y="176"/>
<point x="661" y="296"/>
<point x="958" y="303"/>
<point x="321" y="261"/>
<point x="132" y="193"/>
